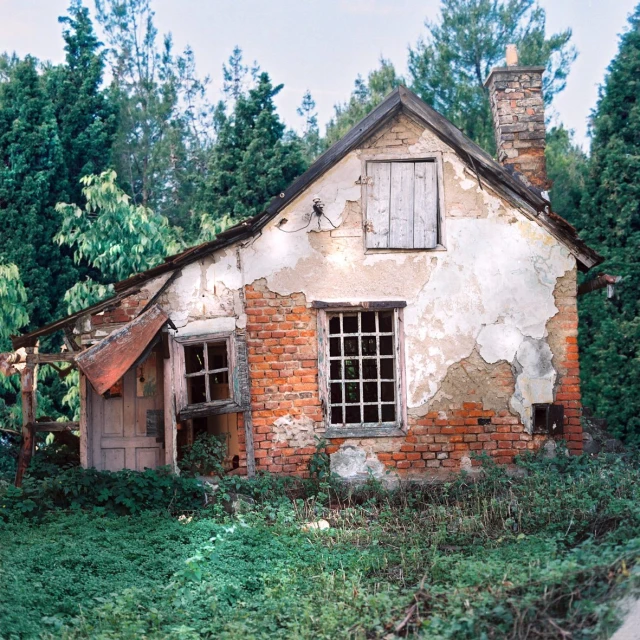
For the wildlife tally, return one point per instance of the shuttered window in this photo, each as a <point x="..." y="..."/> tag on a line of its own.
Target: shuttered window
<point x="402" y="205"/>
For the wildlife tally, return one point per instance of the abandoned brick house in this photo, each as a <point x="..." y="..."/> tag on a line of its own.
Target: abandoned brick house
<point x="408" y="299"/>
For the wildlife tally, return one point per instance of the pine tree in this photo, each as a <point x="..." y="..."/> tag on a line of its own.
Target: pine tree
<point x="610" y="222"/>
<point x="311" y="143"/>
<point x="449" y="66"/>
<point x="567" y="166"/>
<point x="32" y="170"/>
<point x="164" y="118"/>
<point x="238" y="78"/>
<point x="252" y="161"/>
<point x="366" y="95"/>
<point x="86" y="119"/>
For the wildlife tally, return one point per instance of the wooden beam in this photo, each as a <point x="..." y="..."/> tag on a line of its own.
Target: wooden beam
<point x="48" y="358"/>
<point x="373" y="305"/>
<point x="84" y="412"/>
<point x="28" y="386"/>
<point x="56" y="426"/>
<point x="248" y="443"/>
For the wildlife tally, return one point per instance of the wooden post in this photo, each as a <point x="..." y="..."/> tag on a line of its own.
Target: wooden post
<point x="28" y="387"/>
<point x="170" y="426"/>
<point x="248" y="434"/>
<point x="85" y="445"/>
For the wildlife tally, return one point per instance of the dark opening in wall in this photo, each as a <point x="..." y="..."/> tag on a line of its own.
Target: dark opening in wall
<point x="548" y="419"/>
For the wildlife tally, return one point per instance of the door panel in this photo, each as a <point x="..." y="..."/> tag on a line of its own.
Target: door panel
<point x="118" y="425"/>
<point x="112" y="459"/>
<point x="146" y="459"/>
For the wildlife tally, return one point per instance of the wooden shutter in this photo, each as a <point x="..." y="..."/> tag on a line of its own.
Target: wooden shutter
<point x="378" y="200"/>
<point x="402" y="205"/>
<point x="425" y="207"/>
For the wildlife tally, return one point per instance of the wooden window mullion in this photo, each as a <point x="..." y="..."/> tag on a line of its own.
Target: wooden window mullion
<point x="207" y="388"/>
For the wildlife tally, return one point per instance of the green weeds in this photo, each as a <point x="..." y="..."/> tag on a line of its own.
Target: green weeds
<point x="544" y="554"/>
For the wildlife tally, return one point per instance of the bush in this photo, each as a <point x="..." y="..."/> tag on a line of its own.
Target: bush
<point x="205" y="456"/>
<point x="122" y="493"/>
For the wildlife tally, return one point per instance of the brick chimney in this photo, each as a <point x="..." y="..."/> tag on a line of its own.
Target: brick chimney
<point x="517" y="107"/>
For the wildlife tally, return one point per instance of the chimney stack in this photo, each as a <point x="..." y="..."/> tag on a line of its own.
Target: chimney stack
<point x="517" y="107"/>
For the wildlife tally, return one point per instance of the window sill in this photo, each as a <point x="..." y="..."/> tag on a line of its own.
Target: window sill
<point x="210" y="409"/>
<point x="374" y="250"/>
<point x="364" y="431"/>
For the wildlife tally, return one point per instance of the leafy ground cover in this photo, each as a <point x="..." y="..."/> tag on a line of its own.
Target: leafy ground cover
<point x="543" y="555"/>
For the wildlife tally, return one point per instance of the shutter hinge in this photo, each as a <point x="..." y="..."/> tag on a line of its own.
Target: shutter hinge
<point x="368" y="180"/>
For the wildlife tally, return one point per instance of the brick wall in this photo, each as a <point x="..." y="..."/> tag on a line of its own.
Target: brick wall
<point x="563" y="338"/>
<point x="282" y="346"/>
<point x="283" y="367"/>
<point x="113" y="317"/>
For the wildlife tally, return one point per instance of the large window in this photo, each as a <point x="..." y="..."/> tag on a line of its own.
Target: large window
<point x="362" y="371"/>
<point x="403" y="204"/>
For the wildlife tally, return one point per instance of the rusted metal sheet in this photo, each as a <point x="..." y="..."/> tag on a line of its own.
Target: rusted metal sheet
<point x="106" y="362"/>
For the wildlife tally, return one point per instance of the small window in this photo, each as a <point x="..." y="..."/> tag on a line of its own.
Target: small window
<point x="211" y="375"/>
<point x="207" y="372"/>
<point x="402" y="205"/>
<point x="362" y="372"/>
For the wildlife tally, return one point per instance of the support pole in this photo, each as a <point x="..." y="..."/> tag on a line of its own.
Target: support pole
<point x="28" y="387"/>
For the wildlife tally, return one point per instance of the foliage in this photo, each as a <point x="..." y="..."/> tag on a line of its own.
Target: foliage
<point x="112" y="234"/>
<point x="567" y="167"/>
<point x="103" y="492"/>
<point x="237" y="77"/>
<point x="165" y="120"/>
<point x="448" y="67"/>
<point x="85" y="116"/>
<point x="365" y="96"/>
<point x="251" y="161"/>
<point x="205" y="456"/>
<point x="13" y="300"/>
<point x="32" y="174"/>
<point x="498" y="557"/>
<point x="610" y="221"/>
<point x="311" y="142"/>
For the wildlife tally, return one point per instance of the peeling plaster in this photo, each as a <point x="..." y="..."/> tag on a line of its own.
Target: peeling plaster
<point x="297" y="431"/>
<point x="490" y="293"/>
<point x="535" y="378"/>
<point x="352" y="462"/>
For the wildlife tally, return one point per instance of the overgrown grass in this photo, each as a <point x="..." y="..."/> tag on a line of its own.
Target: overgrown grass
<point x="536" y="556"/>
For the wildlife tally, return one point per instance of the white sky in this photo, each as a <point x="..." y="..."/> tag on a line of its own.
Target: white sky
<point x="322" y="45"/>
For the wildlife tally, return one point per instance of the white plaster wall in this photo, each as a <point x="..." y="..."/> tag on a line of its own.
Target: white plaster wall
<point x="492" y="288"/>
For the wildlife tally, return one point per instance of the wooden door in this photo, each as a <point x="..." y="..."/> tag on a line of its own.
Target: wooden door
<point x="126" y="430"/>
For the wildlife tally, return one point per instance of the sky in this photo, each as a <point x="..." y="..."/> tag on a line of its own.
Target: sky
<point x="322" y="45"/>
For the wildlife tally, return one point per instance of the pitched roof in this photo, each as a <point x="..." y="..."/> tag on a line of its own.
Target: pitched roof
<point x="400" y="100"/>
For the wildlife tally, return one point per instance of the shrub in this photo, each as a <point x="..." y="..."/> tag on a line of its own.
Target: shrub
<point x="205" y="456"/>
<point x="122" y="493"/>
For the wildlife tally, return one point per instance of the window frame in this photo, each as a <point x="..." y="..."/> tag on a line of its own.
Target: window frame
<point x="326" y="310"/>
<point x="238" y="387"/>
<point x="436" y="157"/>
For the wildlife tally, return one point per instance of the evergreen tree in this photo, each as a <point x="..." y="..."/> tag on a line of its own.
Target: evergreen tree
<point x="86" y="119"/>
<point x="164" y="118"/>
<point x="311" y="143"/>
<point x="251" y="161"/>
<point x="449" y="66"/>
<point x="32" y="170"/>
<point x="567" y="166"/>
<point x="610" y="222"/>
<point x="366" y="95"/>
<point x="237" y="77"/>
